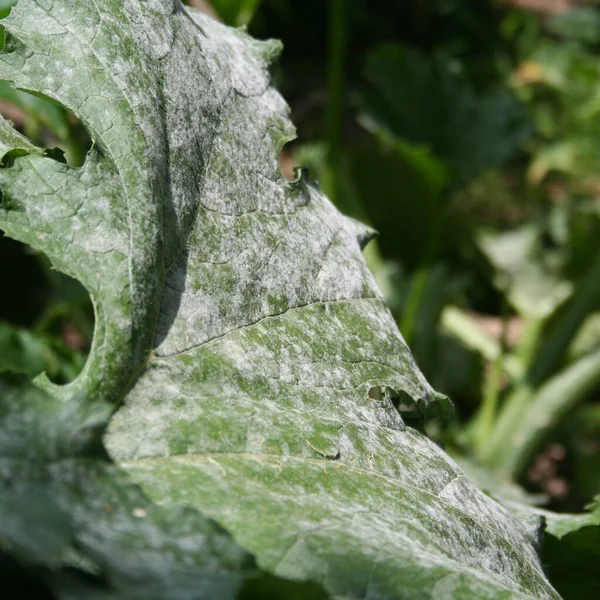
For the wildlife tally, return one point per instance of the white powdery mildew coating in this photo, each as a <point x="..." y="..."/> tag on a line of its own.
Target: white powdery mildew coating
<point x="242" y="269"/>
<point x="12" y="140"/>
<point x="272" y="387"/>
<point x="238" y="267"/>
<point x="267" y="327"/>
<point x="85" y="59"/>
<point x="461" y="489"/>
<point x="344" y="516"/>
<point x="271" y="334"/>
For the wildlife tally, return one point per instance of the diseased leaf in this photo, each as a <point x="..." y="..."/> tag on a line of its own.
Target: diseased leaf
<point x="63" y="504"/>
<point x="263" y="378"/>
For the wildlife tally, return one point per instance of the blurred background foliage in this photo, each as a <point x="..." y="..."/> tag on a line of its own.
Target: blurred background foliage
<point x="467" y="132"/>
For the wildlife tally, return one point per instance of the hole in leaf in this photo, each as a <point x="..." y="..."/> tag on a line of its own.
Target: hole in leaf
<point x="287" y="162"/>
<point x="5" y="38"/>
<point x="404" y="404"/>
<point x="46" y="318"/>
<point x="46" y="124"/>
<point x="376" y="393"/>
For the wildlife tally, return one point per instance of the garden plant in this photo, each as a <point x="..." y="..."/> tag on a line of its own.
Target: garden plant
<point x="239" y="415"/>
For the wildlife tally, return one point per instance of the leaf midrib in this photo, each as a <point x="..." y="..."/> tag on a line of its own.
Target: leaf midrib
<point x="158" y="357"/>
<point x="208" y="456"/>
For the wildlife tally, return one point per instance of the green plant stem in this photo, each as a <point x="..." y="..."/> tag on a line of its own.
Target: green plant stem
<point x="530" y="410"/>
<point x="463" y="327"/>
<point x="418" y="283"/>
<point x="530" y="340"/>
<point x="336" y="85"/>
<point x="487" y="412"/>
<point x="491" y="390"/>
<point x="529" y="416"/>
<point x="413" y="302"/>
<point x="77" y="154"/>
<point x="555" y="346"/>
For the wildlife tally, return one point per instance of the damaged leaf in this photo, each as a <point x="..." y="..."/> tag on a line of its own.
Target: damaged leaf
<point x="89" y="532"/>
<point x="236" y="320"/>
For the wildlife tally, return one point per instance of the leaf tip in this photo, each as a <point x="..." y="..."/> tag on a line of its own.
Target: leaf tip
<point x="363" y="233"/>
<point x="271" y="50"/>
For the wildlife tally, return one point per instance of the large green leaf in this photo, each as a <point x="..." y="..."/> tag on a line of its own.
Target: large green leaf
<point x="423" y="100"/>
<point x="263" y="378"/>
<point x="89" y="532"/>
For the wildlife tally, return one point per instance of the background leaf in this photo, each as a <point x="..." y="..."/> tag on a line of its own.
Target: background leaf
<point x="424" y="102"/>
<point x="571" y="549"/>
<point x="236" y="12"/>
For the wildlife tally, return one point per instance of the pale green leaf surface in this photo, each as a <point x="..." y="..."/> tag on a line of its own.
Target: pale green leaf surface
<point x="581" y="24"/>
<point x="63" y="504"/>
<point x="533" y="288"/>
<point x="238" y="309"/>
<point x="530" y="414"/>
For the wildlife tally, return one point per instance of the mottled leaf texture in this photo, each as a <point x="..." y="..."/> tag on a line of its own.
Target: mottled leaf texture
<point x="75" y="518"/>
<point x="262" y="378"/>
